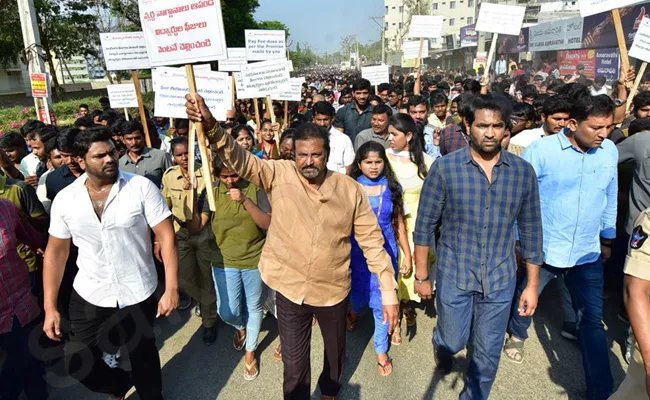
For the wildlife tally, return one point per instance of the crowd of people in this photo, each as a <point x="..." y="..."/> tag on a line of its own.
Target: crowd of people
<point x="473" y="190"/>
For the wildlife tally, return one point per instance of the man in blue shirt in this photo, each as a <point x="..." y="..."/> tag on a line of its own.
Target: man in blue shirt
<point x="476" y="195"/>
<point x="356" y="116"/>
<point x="578" y="184"/>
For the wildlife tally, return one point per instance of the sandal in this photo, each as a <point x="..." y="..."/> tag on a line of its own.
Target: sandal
<point x="352" y="321"/>
<point x="247" y="373"/>
<point x="518" y="356"/>
<point x="385" y="369"/>
<point x="396" y="337"/>
<point x="278" y="353"/>
<point x="410" y="316"/>
<point x="239" y="341"/>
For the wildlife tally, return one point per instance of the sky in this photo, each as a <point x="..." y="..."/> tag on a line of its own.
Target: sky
<point x="322" y="24"/>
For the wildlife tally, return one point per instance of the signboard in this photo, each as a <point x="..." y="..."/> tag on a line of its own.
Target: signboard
<point x="122" y="96"/>
<point x="513" y="44"/>
<point x="202" y="67"/>
<point x="480" y="60"/>
<point x="39" y="85"/>
<point x="591" y="7"/>
<point x="124" y="51"/>
<point x="240" y="89"/>
<point x="641" y="46"/>
<point x="558" y="35"/>
<point x="182" y="31"/>
<point x="294" y="94"/>
<point x="500" y="18"/>
<point x="599" y="32"/>
<point x="172" y="87"/>
<point x="426" y="26"/>
<point x="596" y="62"/>
<point x="411" y="49"/>
<point x="265" y="45"/>
<point x="468" y="36"/>
<point x="376" y="75"/>
<point x="236" y="60"/>
<point x="266" y="78"/>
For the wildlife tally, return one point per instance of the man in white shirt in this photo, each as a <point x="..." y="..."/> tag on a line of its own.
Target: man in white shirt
<point x="54" y="160"/>
<point x="598" y="86"/>
<point x="108" y="214"/>
<point x="501" y="66"/>
<point x="341" y="154"/>
<point x="555" y="115"/>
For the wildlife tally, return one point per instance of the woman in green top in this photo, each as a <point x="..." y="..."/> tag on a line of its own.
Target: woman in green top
<point x="267" y="149"/>
<point x="239" y="222"/>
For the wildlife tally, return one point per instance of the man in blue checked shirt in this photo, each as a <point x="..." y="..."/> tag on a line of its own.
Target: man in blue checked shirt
<point x="578" y="184"/>
<point x="476" y="195"/>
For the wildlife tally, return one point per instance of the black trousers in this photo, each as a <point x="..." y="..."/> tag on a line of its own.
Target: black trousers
<point x="294" y="321"/>
<point x="90" y="332"/>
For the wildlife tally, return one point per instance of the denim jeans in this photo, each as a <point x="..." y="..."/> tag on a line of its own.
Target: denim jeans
<point x="585" y="283"/>
<point x="487" y="314"/>
<point x="239" y="300"/>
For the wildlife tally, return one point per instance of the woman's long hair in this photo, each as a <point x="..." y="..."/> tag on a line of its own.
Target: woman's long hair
<point x="405" y="124"/>
<point x="393" y="183"/>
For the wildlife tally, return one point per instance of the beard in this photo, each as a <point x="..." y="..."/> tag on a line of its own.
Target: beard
<point x="310" y="172"/>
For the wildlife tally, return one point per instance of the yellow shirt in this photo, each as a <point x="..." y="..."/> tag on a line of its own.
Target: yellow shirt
<point x="176" y="196"/>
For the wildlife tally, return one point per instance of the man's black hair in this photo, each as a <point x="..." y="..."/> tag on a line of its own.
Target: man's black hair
<point x="591" y="106"/>
<point x="104" y="100"/>
<point x="109" y="116"/>
<point x="396" y="88"/>
<point x="523" y="110"/>
<point x="557" y="104"/>
<point x="361" y="84"/>
<point x="529" y="91"/>
<point x="574" y="90"/>
<point x="177" y="141"/>
<point x="30" y="126"/>
<point x="382" y="87"/>
<point x="415" y="101"/>
<point x="51" y="145"/>
<point x="66" y="139"/>
<point x="308" y="131"/>
<point x="639" y="125"/>
<point x="382" y="109"/>
<point x="346" y="91"/>
<point x="83" y="105"/>
<point x="182" y="123"/>
<point x="646" y="77"/>
<point x="437" y="97"/>
<point x="84" y="122"/>
<point x="600" y="79"/>
<point x="46" y="133"/>
<point x="323" y="108"/>
<point x="641" y="100"/>
<point x="86" y="138"/>
<point x="444" y="86"/>
<point x="13" y="140"/>
<point x="128" y="127"/>
<point x="472" y="86"/>
<point x="491" y="102"/>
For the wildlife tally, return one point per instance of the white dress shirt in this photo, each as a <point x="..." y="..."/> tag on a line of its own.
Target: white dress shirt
<point x="41" y="191"/>
<point x="116" y="267"/>
<point x="526" y="137"/>
<point x="341" y="151"/>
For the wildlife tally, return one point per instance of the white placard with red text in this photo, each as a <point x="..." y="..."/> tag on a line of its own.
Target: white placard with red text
<point x="124" y="51"/>
<point x="262" y="44"/>
<point x="641" y="46"/>
<point x="266" y="78"/>
<point x="500" y="18"/>
<point x="213" y="86"/>
<point x="122" y="96"/>
<point x="183" y="31"/>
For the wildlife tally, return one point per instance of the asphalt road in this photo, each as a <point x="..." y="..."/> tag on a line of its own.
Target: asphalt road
<point x="552" y="368"/>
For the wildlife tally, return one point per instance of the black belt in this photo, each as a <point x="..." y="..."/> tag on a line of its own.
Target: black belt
<point x="182" y="224"/>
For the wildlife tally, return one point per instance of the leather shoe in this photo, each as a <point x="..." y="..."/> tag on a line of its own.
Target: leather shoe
<point x="443" y="360"/>
<point x="209" y="336"/>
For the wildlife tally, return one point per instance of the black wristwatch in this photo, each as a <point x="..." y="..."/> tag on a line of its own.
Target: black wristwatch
<point x="619" y="102"/>
<point x="421" y="281"/>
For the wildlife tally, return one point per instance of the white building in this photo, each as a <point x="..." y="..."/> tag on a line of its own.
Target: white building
<point x="395" y="22"/>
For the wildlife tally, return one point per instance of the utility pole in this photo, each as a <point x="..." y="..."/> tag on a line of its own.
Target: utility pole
<point x="358" y="55"/>
<point x="383" y="39"/>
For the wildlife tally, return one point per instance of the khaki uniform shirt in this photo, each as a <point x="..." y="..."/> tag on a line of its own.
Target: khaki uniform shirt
<point x="177" y="197"/>
<point x="307" y="252"/>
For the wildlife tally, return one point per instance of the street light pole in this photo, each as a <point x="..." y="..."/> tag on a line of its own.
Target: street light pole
<point x="383" y="38"/>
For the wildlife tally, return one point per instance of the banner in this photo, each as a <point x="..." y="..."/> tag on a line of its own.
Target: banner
<point x="376" y="75"/>
<point x="124" y="51"/>
<point x="591" y="7"/>
<point x="265" y="45"/>
<point x="39" y="85"/>
<point x="122" y="96"/>
<point x="266" y="78"/>
<point x="558" y="35"/>
<point x="411" y="49"/>
<point x="641" y="46"/>
<point x="295" y="94"/>
<point x="214" y="87"/>
<point x="513" y="44"/>
<point x="426" y="26"/>
<point x="596" y="62"/>
<point x="480" y="60"/>
<point x="236" y="60"/>
<point x="599" y="32"/>
<point x="500" y="18"/>
<point x="468" y="36"/>
<point x="182" y="31"/>
<point x="240" y="89"/>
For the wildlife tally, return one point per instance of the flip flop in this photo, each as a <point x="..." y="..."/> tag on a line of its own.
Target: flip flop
<point x="513" y="345"/>
<point x="249" y="367"/>
<point x="238" y="342"/>
<point x="382" y="368"/>
<point x="278" y="353"/>
<point x="396" y="340"/>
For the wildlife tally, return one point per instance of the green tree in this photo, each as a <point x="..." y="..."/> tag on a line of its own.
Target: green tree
<point x="11" y="38"/>
<point x="275" y="25"/>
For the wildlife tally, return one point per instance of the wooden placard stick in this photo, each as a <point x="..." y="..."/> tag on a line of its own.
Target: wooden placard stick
<point x="490" y="57"/>
<point x="416" y="88"/>
<point x="269" y="108"/>
<point x="205" y="166"/>
<point x="620" y="37"/>
<point x="191" y="145"/>
<point x="637" y="82"/>
<point x="286" y="113"/>
<point x="232" y="85"/>
<point x="143" y="116"/>
<point x="126" y="114"/>
<point x="257" y="120"/>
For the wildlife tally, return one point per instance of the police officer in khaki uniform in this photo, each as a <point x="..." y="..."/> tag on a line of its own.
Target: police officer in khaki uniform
<point x="637" y="301"/>
<point x="194" y="252"/>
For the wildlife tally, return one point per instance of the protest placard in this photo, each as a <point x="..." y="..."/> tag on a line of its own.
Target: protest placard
<point x="500" y="18"/>
<point x="173" y="86"/>
<point x="240" y="89"/>
<point x="426" y="26"/>
<point x="591" y="7"/>
<point x="39" y="85"/>
<point x="202" y="67"/>
<point x="376" y="75"/>
<point x="124" y="51"/>
<point x="294" y="94"/>
<point x="266" y="78"/>
<point x="264" y="44"/>
<point x="411" y="49"/>
<point x="290" y="65"/>
<point x="122" y="96"/>
<point x="236" y="59"/>
<point x="641" y="46"/>
<point x="183" y="31"/>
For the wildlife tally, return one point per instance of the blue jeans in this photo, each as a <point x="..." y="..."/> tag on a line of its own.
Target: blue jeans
<point x="487" y="314"/>
<point x="585" y="283"/>
<point x="239" y="300"/>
